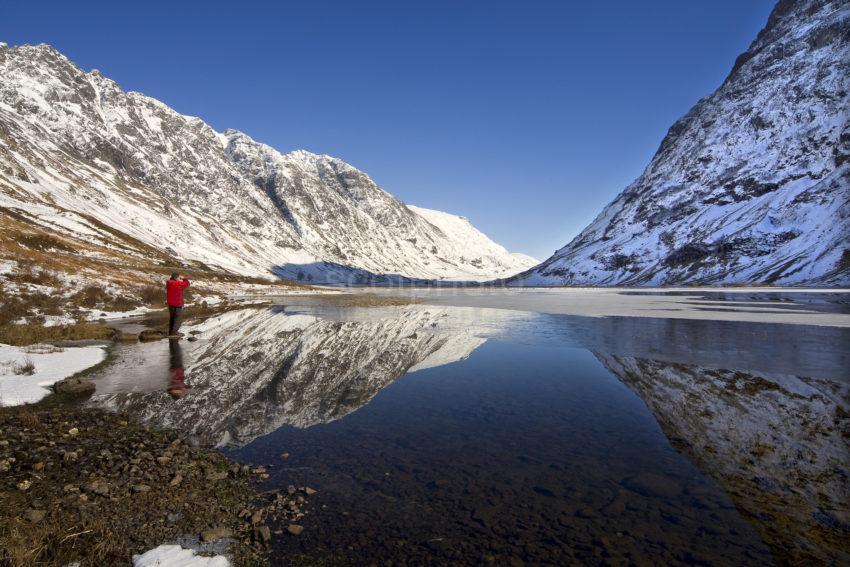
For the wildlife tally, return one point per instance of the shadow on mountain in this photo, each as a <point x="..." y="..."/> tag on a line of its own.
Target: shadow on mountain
<point x="332" y="273"/>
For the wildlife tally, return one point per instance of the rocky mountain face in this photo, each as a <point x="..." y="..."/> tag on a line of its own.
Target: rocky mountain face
<point x="752" y="185"/>
<point x="84" y="159"/>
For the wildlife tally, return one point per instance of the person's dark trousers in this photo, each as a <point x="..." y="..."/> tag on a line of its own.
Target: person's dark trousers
<point x="175" y="317"/>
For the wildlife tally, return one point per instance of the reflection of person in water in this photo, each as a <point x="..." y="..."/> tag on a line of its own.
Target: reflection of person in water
<point x="176" y="376"/>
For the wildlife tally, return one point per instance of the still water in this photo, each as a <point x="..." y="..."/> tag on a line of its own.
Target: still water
<point x="459" y="435"/>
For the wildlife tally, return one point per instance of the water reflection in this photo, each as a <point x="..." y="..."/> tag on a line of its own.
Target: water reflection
<point x="777" y="443"/>
<point x="515" y="435"/>
<point x="255" y="370"/>
<point x="176" y="375"/>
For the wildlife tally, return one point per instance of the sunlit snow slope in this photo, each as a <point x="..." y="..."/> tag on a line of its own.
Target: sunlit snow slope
<point x="84" y="158"/>
<point x="752" y="185"/>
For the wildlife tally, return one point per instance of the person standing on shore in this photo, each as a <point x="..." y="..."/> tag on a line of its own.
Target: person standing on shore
<point x="174" y="297"/>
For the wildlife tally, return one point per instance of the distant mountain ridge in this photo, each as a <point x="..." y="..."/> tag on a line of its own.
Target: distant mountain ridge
<point x="752" y="185"/>
<point x="81" y="157"/>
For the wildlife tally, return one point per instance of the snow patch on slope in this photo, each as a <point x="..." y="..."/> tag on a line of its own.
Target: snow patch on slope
<point x="81" y="157"/>
<point x="752" y="185"/>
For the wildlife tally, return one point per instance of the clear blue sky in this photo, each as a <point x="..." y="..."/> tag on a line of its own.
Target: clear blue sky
<point x="526" y="117"/>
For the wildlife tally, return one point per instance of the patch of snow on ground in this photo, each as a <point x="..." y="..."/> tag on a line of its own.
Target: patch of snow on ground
<point x="96" y="314"/>
<point x="56" y="320"/>
<point x="176" y="556"/>
<point x="50" y="367"/>
<point x="6" y="266"/>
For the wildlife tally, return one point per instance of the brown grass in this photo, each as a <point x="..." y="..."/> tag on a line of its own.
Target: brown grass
<point x="96" y="297"/>
<point x="25" y="305"/>
<point x="43" y="242"/>
<point x="136" y="270"/>
<point x="152" y="296"/>
<point x="27" y="334"/>
<point x="28" y="273"/>
<point x="24" y="544"/>
<point x="25" y="368"/>
<point x="28" y="418"/>
<point x="135" y="264"/>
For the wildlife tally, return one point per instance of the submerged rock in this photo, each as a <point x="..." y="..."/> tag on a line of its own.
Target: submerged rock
<point x="654" y="485"/>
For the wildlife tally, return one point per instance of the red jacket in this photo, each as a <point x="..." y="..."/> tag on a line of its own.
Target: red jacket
<point x="174" y="291"/>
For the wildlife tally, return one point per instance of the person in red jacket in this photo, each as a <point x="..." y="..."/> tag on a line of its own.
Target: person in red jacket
<point x="174" y="297"/>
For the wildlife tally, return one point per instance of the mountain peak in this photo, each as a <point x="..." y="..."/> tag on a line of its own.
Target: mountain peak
<point x="167" y="185"/>
<point x="750" y="186"/>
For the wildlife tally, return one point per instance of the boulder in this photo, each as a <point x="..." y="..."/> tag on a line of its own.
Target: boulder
<point x="74" y="387"/>
<point x="99" y="487"/>
<point x="33" y="516"/>
<point x="214" y="534"/>
<point x="151" y="335"/>
<point x="263" y="534"/>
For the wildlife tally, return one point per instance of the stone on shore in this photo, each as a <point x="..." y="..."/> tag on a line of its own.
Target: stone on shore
<point x="151" y="335"/>
<point x="74" y="387"/>
<point x="214" y="534"/>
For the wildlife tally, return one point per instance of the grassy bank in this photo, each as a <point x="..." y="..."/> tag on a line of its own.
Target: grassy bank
<point x="31" y="333"/>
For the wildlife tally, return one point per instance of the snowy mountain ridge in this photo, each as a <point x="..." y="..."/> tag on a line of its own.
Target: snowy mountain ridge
<point x="752" y="185"/>
<point x="82" y="158"/>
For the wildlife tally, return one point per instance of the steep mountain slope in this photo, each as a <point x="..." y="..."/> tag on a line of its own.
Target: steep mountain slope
<point x="751" y="185"/>
<point x="86" y="160"/>
<point x="460" y="230"/>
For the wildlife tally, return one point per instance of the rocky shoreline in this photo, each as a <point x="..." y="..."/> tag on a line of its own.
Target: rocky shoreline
<point x="91" y="487"/>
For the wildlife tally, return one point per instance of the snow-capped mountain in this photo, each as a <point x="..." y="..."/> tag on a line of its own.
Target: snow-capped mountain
<point x="85" y="159"/>
<point x="751" y="185"/>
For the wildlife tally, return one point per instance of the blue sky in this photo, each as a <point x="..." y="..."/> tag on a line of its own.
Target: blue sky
<point x="526" y="117"/>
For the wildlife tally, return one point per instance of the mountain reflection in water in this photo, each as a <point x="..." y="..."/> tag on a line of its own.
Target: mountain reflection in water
<point x="761" y="410"/>
<point x="255" y="370"/>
